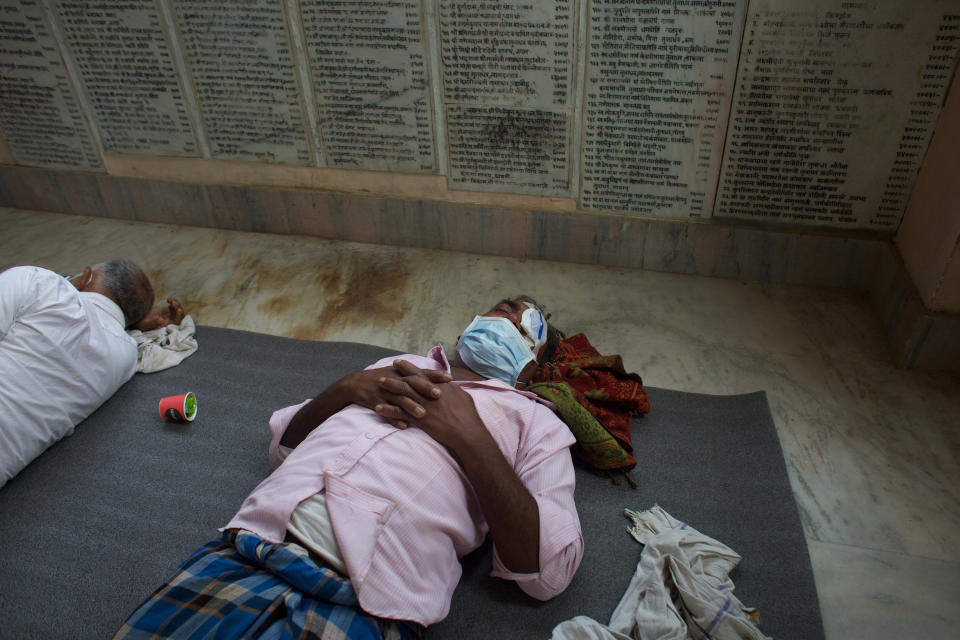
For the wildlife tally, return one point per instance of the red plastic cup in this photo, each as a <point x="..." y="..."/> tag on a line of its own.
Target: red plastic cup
<point x="181" y="408"/>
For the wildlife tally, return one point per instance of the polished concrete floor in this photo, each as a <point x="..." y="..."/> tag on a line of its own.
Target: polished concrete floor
<point x="873" y="452"/>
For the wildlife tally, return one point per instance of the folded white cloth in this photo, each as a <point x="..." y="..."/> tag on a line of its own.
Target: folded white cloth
<point x="166" y="347"/>
<point x="681" y="589"/>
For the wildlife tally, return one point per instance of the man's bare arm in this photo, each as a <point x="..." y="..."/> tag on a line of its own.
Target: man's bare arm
<point x="331" y="400"/>
<point x="511" y="512"/>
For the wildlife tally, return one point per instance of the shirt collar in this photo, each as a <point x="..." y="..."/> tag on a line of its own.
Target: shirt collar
<point x="439" y="355"/>
<point x="105" y="304"/>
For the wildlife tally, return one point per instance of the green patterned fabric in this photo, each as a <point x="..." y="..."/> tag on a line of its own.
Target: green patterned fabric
<point x="595" y="445"/>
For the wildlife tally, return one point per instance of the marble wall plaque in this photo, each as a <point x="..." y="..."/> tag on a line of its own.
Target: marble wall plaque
<point x="368" y="65"/>
<point x="40" y="114"/>
<point x="833" y="110"/>
<point x="240" y="62"/>
<point x="123" y="58"/>
<point x="507" y="71"/>
<point x="508" y="150"/>
<point x="659" y="79"/>
<point x="506" y="53"/>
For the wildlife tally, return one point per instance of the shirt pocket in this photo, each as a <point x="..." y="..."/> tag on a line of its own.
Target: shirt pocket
<point x="358" y="518"/>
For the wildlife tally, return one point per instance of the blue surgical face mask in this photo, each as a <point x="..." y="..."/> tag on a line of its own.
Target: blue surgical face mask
<point x="494" y="348"/>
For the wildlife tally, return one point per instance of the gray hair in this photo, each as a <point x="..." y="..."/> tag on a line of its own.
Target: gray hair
<point x="130" y="287"/>
<point x="530" y="300"/>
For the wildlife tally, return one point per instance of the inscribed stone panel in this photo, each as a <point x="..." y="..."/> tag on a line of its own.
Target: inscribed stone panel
<point x="659" y="79"/>
<point x="239" y="57"/>
<point x="504" y="53"/>
<point x="834" y="108"/>
<point x="134" y="89"/>
<point x="40" y="114"/>
<point x="367" y="61"/>
<point x="508" y="150"/>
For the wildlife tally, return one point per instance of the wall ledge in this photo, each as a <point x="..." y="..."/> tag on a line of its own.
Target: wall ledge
<point x="918" y="337"/>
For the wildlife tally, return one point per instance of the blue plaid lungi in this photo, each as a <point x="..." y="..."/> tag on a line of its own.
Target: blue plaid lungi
<point x="242" y="586"/>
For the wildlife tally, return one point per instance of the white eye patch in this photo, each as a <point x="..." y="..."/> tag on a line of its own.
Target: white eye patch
<point x="534" y="326"/>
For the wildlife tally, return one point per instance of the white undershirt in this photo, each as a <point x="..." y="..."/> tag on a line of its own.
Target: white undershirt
<point x="62" y="354"/>
<point x="310" y="523"/>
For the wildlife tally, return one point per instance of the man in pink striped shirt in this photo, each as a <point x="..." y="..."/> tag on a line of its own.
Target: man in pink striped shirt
<point x="391" y="474"/>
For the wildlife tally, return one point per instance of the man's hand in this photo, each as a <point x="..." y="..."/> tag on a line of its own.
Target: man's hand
<point x="160" y="316"/>
<point x="364" y="388"/>
<point x="374" y="389"/>
<point x="448" y="416"/>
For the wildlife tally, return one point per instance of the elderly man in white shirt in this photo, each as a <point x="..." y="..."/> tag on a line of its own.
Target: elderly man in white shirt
<point x="64" y="350"/>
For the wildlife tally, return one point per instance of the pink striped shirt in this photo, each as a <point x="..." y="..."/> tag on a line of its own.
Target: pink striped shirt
<point x="402" y="509"/>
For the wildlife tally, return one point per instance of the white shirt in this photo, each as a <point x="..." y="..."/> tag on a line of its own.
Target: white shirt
<point x="62" y="354"/>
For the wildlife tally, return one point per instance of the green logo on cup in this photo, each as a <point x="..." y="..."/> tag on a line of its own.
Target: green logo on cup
<point x="179" y="408"/>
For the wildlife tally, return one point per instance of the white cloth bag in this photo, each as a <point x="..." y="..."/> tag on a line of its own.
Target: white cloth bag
<point x="166" y="347"/>
<point x="676" y="559"/>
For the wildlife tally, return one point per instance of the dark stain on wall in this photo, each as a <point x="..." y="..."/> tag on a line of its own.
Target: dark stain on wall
<point x="358" y="289"/>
